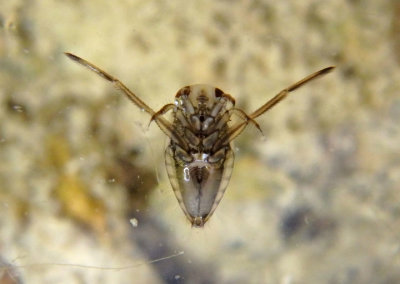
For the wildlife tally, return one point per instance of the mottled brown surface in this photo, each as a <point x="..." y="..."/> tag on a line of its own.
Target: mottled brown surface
<point x="315" y="201"/>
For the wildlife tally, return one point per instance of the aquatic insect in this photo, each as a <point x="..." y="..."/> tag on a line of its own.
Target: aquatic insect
<point x="199" y="156"/>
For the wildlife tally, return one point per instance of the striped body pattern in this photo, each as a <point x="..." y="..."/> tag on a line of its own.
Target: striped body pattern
<point x="199" y="157"/>
<point x="200" y="169"/>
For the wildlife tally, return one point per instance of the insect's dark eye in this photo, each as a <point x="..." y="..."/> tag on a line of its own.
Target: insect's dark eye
<point x="218" y="92"/>
<point x="186" y="91"/>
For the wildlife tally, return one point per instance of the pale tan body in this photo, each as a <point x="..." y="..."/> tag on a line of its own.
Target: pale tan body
<point x="199" y="157"/>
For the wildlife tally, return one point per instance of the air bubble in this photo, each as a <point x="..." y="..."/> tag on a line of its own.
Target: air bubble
<point x="186" y="174"/>
<point x="134" y="222"/>
<point x="18" y="108"/>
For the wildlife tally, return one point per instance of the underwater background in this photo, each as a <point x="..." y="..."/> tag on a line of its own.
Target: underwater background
<point x="82" y="177"/>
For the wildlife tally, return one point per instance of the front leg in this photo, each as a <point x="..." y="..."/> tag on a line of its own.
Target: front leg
<point x="162" y="111"/>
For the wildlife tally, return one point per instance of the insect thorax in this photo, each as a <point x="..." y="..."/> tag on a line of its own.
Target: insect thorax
<point x="201" y="119"/>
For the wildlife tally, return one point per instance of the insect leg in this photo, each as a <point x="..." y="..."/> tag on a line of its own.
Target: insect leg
<point x="282" y="94"/>
<point x="235" y="130"/>
<point x="243" y="115"/>
<point x="162" y="111"/>
<point x="164" y="124"/>
<point x="118" y="84"/>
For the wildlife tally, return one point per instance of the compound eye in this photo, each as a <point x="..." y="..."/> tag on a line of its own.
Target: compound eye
<point x="218" y="93"/>
<point x="217" y="156"/>
<point x="183" y="155"/>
